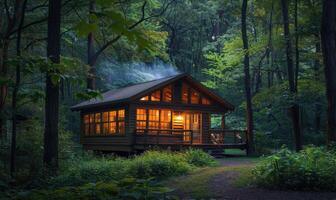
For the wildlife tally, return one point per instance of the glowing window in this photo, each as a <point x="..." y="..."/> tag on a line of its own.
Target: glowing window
<point x="86" y="124"/>
<point x="195" y="97"/>
<point x="205" y="101"/>
<point x="105" y="121"/>
<point x="112" y="122"/>
<point x="145" y="98"/>
<point x="141" y="118"/>
<point x="97" y="122"/>
<point x="121" y="121"/>
<point x="185" y="93"/>
<point x="153" y="119"/>
<point x="156" y="96"/>
<point x="165" y="119"/>
<point x="167" y="93"/>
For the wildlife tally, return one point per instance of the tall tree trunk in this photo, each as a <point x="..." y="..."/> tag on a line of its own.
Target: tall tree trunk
<point x="249" y="111"/>
<point x="11" y="22"/>
<point x="317" y="78"/>
<point x="294" y="109"/>
<point x="297" y="55"/>
<point x="15" y="92"/>
<point x="328" y="36"/>
<point x="91" y="80"/>
<point x="50" y="156"/>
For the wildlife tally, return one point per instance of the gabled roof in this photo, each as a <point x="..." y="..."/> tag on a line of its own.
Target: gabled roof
<point x="129" y="93"/>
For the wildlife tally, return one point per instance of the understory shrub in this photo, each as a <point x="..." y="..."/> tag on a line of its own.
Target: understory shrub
<point x="199" y="158"/>
<point x="151" y="164"/>
<point x="313" y="168"/>
<point x="128" y="188"/>
<point x="158" y="164"/>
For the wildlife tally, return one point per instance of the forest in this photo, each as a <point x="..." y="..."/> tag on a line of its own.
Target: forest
<point x="273" y="60"/>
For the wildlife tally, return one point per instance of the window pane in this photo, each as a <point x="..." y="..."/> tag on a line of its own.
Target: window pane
<point x="112" y="127"/>
<point x="121" y="115"/>
<point x="185" y="94"/>
<point x="141" y="114"/>
<point x="165" y="119"/>
<point x="195" y="96"/>
<point x="121" y="126"/>
<point x="153" y="115"/>
<point x="86" y="119"/>
<point x="91" y="118"/>
<point x="167" y="94"/>
<point x="105" y="116"/>
<point x="92" y="124"/>
<point x="105" y="128"/>
<point x="156" y="96"/>
<point x="97" y="128"/>
<point x="205" y="101"/>
<point x="141" y="125"/>
<point x="97" y="117"/>
<point x="145" y="98"/>
<point x="113" y="115"/>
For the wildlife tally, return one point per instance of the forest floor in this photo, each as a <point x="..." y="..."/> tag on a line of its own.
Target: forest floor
<point x="230" y="181"/>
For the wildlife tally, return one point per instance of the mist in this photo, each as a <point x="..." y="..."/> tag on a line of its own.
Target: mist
<point x="115" y="75"/>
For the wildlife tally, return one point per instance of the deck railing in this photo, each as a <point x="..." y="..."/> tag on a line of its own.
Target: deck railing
<point x="224" y="136"/>
<point x="164" y="136"/>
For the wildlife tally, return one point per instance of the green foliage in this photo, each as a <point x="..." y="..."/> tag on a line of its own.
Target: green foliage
<point x="151" y="164"/>
<point x="159" y="164"/>
<point x="199" y="158"/>
<point x="128" y="188"/>
<point x="314" y="168"/>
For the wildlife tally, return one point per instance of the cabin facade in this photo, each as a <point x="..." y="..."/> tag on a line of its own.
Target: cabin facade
<point x="173" y="112"/>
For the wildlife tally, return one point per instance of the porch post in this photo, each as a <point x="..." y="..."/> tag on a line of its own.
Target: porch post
<point x="223" y="122"/>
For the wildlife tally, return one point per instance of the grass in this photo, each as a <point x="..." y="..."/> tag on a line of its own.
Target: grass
<point x="197" y="184"/>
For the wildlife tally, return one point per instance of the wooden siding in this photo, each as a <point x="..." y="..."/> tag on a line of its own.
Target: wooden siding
<point x="205" y="128"/>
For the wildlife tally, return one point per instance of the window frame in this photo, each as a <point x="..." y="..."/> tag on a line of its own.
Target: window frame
<point x="92" y="123"/>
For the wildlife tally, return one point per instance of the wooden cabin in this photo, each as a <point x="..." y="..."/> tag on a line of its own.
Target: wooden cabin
<point x="173" y="112"/>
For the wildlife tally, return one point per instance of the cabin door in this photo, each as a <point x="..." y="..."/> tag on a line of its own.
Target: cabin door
<point x="195" y="126"/>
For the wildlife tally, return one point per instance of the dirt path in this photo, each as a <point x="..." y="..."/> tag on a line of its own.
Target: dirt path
<point x="220" y="183"/>
<point x="222" y="186"/>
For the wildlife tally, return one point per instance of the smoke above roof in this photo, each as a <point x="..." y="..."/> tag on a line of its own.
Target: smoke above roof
<point x="115" y="75"/>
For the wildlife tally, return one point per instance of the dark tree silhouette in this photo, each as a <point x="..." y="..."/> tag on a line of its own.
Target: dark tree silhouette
<point x="50" y="155"/>
<point x="328" y="36"/>
<point x="249" y="111"/>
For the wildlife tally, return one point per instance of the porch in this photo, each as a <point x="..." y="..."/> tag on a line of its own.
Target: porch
<point x="177" y="139"/>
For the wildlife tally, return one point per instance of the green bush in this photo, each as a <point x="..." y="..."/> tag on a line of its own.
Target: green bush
<point x="199" y="158"/>
<point x="158" y="164"/>
<point x="151" y="164"/>
<point x="313" y="168"/>
<point x="128" y="188"/>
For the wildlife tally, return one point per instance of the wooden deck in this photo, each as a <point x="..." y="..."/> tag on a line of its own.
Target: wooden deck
<point x="183" y="139"/>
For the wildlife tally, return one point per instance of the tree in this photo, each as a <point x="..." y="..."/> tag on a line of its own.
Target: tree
<point x="12" y="16"/>
<point x="328" y="37"/>
<point x="294" y="109"/>
<point x="50" y="156"/>
<point x="15" y="90"/>
<point x="249" y="111"/>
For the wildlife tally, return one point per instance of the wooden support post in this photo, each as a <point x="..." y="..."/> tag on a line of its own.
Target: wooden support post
<point x="223" y="122"/>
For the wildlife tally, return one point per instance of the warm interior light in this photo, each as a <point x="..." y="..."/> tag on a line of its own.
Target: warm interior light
<point x="179" y="118"/>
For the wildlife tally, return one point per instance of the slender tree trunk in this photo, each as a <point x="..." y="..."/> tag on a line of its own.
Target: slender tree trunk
<point x="328" y="36"/>
<point x="91" y="80"/>
<point x="15" y="92"/>
<point x="249" y="110"/>
<point x="50" y="156"/>
<point x="294" y="109"/>
<point x="317" y="78"/>
<point x="297" y="53"/>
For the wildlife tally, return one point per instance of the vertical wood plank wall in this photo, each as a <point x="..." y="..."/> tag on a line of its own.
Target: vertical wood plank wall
<point x="205" y="127"/>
